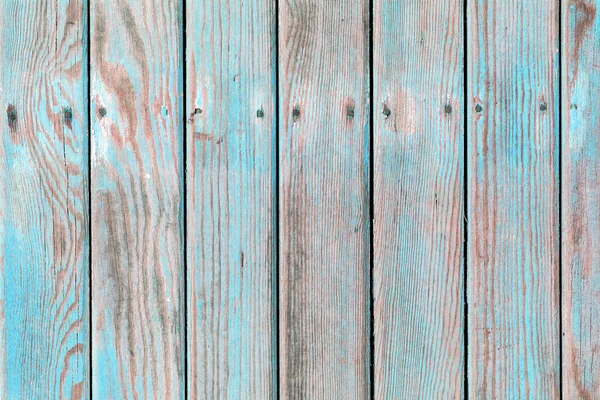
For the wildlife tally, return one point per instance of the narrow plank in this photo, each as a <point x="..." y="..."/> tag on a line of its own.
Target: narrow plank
<point x="512" y="163"/>
<point x="324" y="199"/>
<point x="137" y="204"/>
<point x="418" y="198"/>
<point x="44" y="224"/>
<point x="580" y="194"/>
<point x="230" y="197"/>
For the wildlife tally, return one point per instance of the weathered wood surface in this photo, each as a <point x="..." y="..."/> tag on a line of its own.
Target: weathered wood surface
<point x="274" y="170"/>
<point x="418" y="199"/>
<point x="513" y="217"/>
<point x="580" y="200"/>
<point x="231" y="217"/>
<point x="324" y="199"/>
<point x="44" y="330"/>
<point x="137" y="199"/>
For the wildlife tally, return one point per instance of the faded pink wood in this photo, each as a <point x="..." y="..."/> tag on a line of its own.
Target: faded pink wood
<point x="580" y="200"/>
<point x="513" y="112"/>
<point x="324" y="199"/>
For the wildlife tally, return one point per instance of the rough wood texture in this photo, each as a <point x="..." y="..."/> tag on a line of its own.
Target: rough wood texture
<point x="324" y="199"/>
<point x="418" y="199"/>
<point x="513" y="262"/>
<point x="44" y="222"/>
<point x="231" y="199"/>
<point x="137" y="208"/>
<point x="580" y="201"/>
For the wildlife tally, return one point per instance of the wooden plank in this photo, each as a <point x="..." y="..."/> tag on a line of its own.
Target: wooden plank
<point x="137" y="204"/>
<point x="513" y="248"/>
<point x="418" y="198"/>
<point x="44" y="248"/>
<point x="324" y="199"/>
<point x="231" y="209"/>
<point x="580" y="194"/>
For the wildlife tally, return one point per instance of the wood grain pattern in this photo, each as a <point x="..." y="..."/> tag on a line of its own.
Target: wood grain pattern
<point x="580" y="199"/>
<point x="324" y="199"/>
<point x="513" y="253"/>
<point x="231" y="200"/>
<point x="44" y="222"/>
<point x="418" y="199"/>
<point x="137" y="208"/>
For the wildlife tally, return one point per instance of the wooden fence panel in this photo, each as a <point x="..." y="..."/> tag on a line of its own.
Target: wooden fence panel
<point x="580" y="199"/>
<point x="44" y="223"/>
<point x="512" y="165"/>
<point x="137" y="191"/>
<point x="418" y="199"/>
<point x="324" y="199"/>
<point x="231" y="218"/>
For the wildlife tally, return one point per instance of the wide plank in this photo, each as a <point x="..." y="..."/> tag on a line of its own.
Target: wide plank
<point x="44" y="224"/>
<point x="580" y="199"/>
<point x="137" y="199"/>
<point x="513" y="194"/>
<point x="231" y="213"/>
<point x="324" y="199"/>
<point x="418" y="199"/>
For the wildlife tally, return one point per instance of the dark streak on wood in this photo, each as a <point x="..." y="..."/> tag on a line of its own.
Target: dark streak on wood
<point x="585" y="16"/>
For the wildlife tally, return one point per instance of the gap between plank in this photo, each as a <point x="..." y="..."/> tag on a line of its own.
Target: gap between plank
<point x="183" y="110"/>
<point x="371" y="206"/>
<point x="559" y="155"/>
<point x="466" y="102"/>
<point x="277" y="211"/>
<point x="88" y="98"/>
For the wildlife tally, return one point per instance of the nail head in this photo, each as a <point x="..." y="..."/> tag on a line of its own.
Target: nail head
<point x="296" y="113"/>
<point x="11" y="114"/>
<point x="68" y="113"/>
<point x="350" y="112"/>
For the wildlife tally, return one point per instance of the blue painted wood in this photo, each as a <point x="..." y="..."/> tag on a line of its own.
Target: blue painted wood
<point x="324" y="199"/>
<point x="44" y="224"/>
<point x="513" y="217"/>
<point x="231" y="199"/>
<point x="580" y="201"/>
<point x="418" y="199"/>
<point x="137" y="191"/>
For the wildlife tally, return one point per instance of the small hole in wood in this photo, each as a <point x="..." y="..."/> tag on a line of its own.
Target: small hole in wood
<point x="260" y="113"/>
<point x="543" y="107"/>
<point x="102" y="112"/>
<point x="478" y="108"/>
<point x="448" y="109"/>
